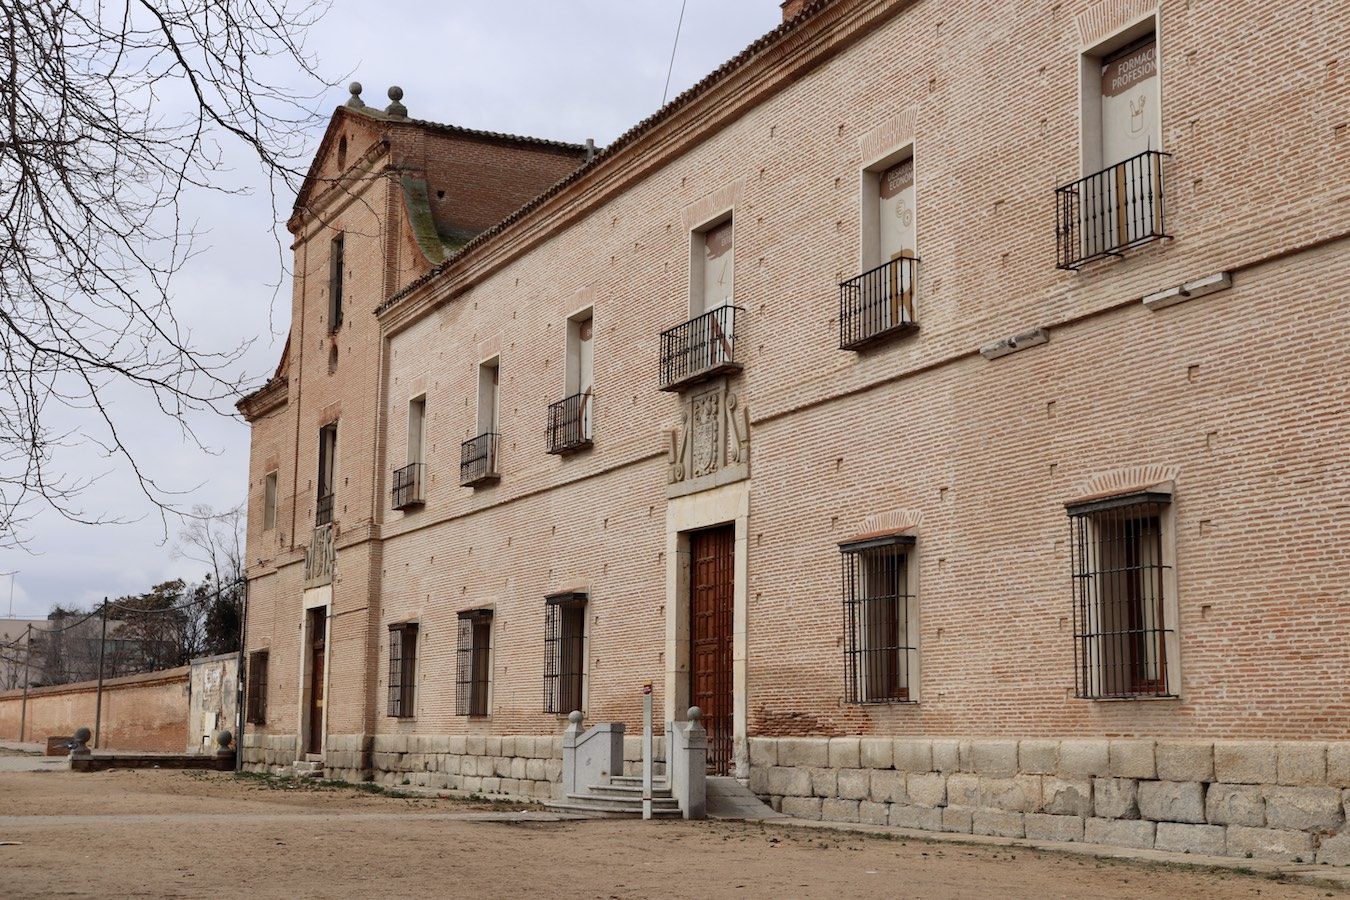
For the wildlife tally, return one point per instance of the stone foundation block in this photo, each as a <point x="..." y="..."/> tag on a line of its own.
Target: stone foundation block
<point x="1269" y="843"/>
<point x="1067" y="797"/>
<point x="492" y="746"/>
<point x="1245" y="762"/>
<point x="873" y="813"/>
<point x="1084" y="758"/>
<point x="1115" y="798"/>
<point x="855" y="784"/>
<point x="912" y="755"/>
<point x="997" y="822"/>
<point x="535" y="770"/>
<point x="802" y="807"/>
<point x="787" y="782"/>
<point x="994" y="759"/>
<point x="1020" y="794"/>
<point x="763" y="751"/>
<point x="1041" y="827"/>
<point x="1338" y="764"/>
<point x="1132" y="759"/>
<point x="1304" y="808"/>
<point x="963" y="790"/>
<point x="1185" y="760"/>
<point x="474" y="744"/>
<point x="1235" y="804"/>
<point x="456" y="745"/>
<point x="1301" y="763"/>
<point x="1038" y="757"/>
<point x="1177" y="838"/>
<point x="876" y="753"/>
<point x="811" y="752"/>
<point x="922" y="817"/>
<point x="1172" y="801"/>
<point x="759" y="781"/>
<point x="824" y="782"/>
<point x="957" y="819"/>
<point x="965" y="755"/>
<point x="946" y="756"/>
<point x="1335" y="851"/>
<point x="1120" y="832"/>
<point x="844" y="753"/>
<point x="888" y="787"/>
<point x="926" y="790"/>
<point x="833" y="810"/>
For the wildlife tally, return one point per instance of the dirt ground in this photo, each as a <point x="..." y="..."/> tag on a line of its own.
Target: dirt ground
<point x="185" y="834"/>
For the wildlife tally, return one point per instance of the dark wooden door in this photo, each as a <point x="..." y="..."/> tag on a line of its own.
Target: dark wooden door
<point x="712" y="586"/>
<point x="316" y="680"/>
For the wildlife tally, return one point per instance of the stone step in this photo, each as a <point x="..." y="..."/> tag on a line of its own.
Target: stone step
<point x="588" y="808"/>
<point x="658" y="781"/>
<point x="659" y="789"/>
<point x="622" y="802"/>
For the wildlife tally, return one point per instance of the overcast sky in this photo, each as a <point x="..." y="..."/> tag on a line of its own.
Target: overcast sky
<point x="563" y="70"/>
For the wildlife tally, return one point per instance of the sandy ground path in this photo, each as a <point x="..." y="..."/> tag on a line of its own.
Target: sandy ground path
<point x="176" y="834"/>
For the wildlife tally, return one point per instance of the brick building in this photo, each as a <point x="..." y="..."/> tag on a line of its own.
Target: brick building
<point x="947" y="398"/>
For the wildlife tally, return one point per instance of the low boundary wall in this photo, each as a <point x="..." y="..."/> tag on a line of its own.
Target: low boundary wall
<point x="140" y="712"/>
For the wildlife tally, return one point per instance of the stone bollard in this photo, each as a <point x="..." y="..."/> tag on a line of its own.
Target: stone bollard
<point x="223" y="741"/>
<point x="79" y="744"/>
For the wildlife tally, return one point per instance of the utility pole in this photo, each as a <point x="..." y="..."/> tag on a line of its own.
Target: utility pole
<point x="98" y="695"/>
<point x="27" y="660"/>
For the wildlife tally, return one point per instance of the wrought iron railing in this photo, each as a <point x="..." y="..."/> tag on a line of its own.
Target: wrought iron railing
<point x="478" y="459"/>
<point x="569" y="423"/>
<point x="877" y="303"/>
<point x="323" y="510"/>
<point x="699" y="348"/>
<point x="407" y="490"/>
<point x="1110" y="211"/>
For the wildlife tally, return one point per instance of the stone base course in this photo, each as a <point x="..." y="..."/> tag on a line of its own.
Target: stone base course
<point x="1283" y="801"/>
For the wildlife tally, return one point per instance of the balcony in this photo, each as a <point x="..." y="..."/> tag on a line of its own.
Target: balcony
<point x="701" y="348"/>
<point x="407" y="491"/>
<point x="569" y="423"/>
<point x="1110" y="211"/>
<point x="478" y="460"/>
<point x="323" y="510"/>
<point x="878" y="304"/>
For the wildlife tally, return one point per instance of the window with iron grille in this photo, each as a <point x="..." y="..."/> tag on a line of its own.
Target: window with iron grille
<point x="564" y="651"/>
<point x="473" y="675"/>
<point x="1122" y="621"/>
<point x="255" y="708"/>
<point x="402" y="668"/>
<point x="880" y="621"/>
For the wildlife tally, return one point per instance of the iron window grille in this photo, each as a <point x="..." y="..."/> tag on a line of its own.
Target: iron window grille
<point x="255" y="709"/>
<point x="323" y="510"/>
<point x="478" y="459"/>
<point x="1120" y="579"/>
<point x="564" y="651"/>
<point x="473" y="674"/>
<point x="880" y="633"/>
<point x="700" y="348"/>
<point x="569" y="423"/>
<point x="1110" y="211"/>
<point x="878" y="303"/>
<point x="407" y="489"/>
<point x="402" y="668"/>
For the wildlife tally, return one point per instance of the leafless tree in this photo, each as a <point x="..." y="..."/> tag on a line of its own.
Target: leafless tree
<point x="216" y="540"/>
<point x="113" y="113"/>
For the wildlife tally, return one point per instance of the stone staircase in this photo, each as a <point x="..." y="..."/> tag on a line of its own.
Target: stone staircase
<point x="304" y="768"/>
<point x="621" y="798"/>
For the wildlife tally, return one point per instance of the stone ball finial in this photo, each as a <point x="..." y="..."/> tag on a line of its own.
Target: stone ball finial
<point x="695" y="713"/>
<point x="223" y="738"/>
<point x="395" y="93"/>
<point x="355" y="99"/>
<point x="574" y="717"/>
<point x="83" y="735"/>
<point x="396" y="108"/>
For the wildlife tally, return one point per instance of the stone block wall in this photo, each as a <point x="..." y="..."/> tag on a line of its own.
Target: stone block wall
<point x="272" y="753"/>
<point x="1256" y="799"/>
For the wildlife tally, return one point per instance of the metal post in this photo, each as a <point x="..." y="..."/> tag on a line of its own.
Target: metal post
<point x="647" y="750"/>
<point x="240" y="717"/>
<point x="98" y="694"/>
<point x="27" y="661"/>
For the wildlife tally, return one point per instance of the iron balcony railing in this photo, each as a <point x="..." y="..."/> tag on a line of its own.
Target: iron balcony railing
<point x="478" y="459"/>
<point x="569" y="423"/>
<point x="1110" y="211"/>
<point x="877" y="303"/>
<point x="700" y="348"/>
<point x="323" y="510"/>
<point x="407" y="489"/>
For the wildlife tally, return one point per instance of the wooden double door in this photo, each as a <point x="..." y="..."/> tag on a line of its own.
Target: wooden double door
<point x="712" y="588"/>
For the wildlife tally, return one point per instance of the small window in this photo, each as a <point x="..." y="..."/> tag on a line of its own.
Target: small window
<point x="473" y="677"/>
<point x="564" y="652"/>
<point x="881" y="656"/>
<point x="417" y="428"/>
<point x="323" y="510"/>
<point x="255" y="707"/>
<point x="270" y="501"/>
<point x="1123" y="622"/>
<point x="336" y="274"/>
<point x="402" y="668"/>
<point x="489" y="387"/>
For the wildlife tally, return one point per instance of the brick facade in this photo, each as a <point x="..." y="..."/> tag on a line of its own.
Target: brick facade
<point x="1238" y="396"/>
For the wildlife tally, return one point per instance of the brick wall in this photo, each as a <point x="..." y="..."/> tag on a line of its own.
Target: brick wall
<point x="140" y="712"/>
